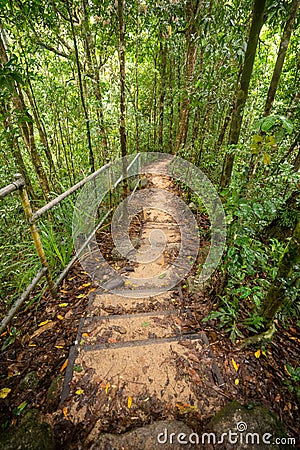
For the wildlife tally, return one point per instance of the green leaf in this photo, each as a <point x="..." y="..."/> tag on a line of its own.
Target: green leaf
<point x="268" y="123"/>
<point x="258" y="210"/>
<point x="287" y="124"/>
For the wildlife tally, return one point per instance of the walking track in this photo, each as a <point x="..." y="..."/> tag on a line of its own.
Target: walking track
<point x="127" y="351"/>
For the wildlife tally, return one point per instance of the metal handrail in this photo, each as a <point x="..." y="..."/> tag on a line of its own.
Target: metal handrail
<point x="19" y="184"/>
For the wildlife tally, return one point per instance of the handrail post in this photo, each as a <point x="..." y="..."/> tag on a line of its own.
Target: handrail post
<point x="35" y="234"/>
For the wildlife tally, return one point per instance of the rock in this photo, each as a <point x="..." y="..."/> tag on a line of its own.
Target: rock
<point x="245" y="428"/>
<point x="157" y="436"/>
<point x="30" y="434"/>
<point x="54" y="391"/>
<point x="30" y="381"/>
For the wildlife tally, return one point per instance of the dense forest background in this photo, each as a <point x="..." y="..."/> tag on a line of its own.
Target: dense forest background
<point x="84" y="82"/>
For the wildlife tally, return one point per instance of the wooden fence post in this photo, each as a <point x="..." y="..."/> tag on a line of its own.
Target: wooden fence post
<point x="35" y="235"/>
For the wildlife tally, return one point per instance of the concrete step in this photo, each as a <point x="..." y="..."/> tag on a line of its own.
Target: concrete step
<point x="147" y="369"/>
<point x="107" y="304"/>
<point x="115" y="329"/>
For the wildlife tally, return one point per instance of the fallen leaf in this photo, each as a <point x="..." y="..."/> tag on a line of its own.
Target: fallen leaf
<point x="4" y="392"/>
<point x="64" y="365"/>
<point x="65" y="413"/>
<point x="59" y="317"/>
<point x="80" y="295"/>
<point x="79" y="392"/>
<point x="129" y="402"/>
<point x="107" y="387"/>
<point x="43" y="323"/>
<point x="235" y="365"/>
<point x="62" y="305"/>
<point x="186" y="408"/>
<point x="236" y="381"/>
<point x="257" y="353"/>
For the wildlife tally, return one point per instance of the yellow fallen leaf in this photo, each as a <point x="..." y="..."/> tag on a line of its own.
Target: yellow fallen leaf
<point x="86" y="284"/>
<point x="236" y="381"/>
<point x="4" y="392"/>
<point x="235" y="365"/>
<point x="285" y="368"/>
<point x="107" y="387"/>
<point x="129" y="402"/>
<point x="80" y="295"/>
<point x="64" y="365"/>
<point x="43" y="323"/>
<point x="62" y="305"/>
<point x="60" y="317"/>
<point x="65" y="413"/>
<point x="79" y="392"/>
<point x="85" y="334"/>
<point x="58" y="346"/>
<point x="257" y="353"/>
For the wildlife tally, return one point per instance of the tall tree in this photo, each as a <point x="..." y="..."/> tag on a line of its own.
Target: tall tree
<point x="122" y="127"/>
<point x="238" y="112"/>
<point x="284" y="43"/>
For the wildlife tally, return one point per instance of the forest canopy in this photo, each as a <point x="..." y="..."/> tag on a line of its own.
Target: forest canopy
<point x="84" y="82"/>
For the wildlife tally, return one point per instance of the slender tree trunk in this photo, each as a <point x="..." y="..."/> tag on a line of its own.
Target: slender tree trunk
<point x="93" y="68"/>
<point x="171" y="106"/>
<point x="81" y="90"/>
<point x="163" y="53"/>
<point x="12" y="143"/>
<point x="120" y="8"/>
<point x="41" y="128"/>
<point x="237" y="116"/>
<point x="25" y="123"/>
<point x="184" y="115"/>
<point x="285" y="39"/>
<point x="136" y="70"/>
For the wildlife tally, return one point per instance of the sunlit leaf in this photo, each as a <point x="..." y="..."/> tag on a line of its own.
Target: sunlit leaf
<point x="65" y="413"/>
<point x="257" y="353"/>
<point x="62" y="305"/>
<point x="79" y="392"/>
<point x="4" y="392"/>
<point x="236" y="381"/>
<point x="64" y="365"/>
<point x="235" y="365"/>
<point x="43" y="323"/>
<point x="129" y="402"/>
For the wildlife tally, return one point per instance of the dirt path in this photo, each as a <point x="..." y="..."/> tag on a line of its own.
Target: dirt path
<point x="125" y="363"/>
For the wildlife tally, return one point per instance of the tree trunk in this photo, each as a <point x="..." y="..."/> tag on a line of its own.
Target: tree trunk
<point x="285" y="39"/>
<point x="163" y="53"/>
<point x="237" y="116"/>
<point x="93" y="68"/>
<point x="81" y="91"/>
<point x="287" y="276"/>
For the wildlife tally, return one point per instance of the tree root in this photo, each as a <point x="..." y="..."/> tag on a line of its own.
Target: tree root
<point x="265" y="336"/>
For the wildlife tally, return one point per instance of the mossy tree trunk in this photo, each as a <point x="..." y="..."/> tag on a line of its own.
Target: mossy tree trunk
<point x="288" y="275"/>
<point x="242" y="95"/>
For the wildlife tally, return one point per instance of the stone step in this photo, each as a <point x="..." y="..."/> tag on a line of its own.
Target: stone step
<point x="107" y="304"/>
<point x="115" y="329"/>
<point x="148" y="369"/>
